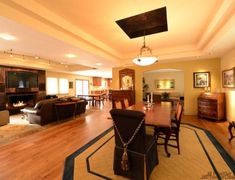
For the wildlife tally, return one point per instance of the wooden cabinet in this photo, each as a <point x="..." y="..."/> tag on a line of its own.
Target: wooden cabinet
<point x="96" y="81"/>
<point x="2" y="101"/>
<point x="127" y="79"/>
<point x="2" y="75"/>
<point x="5" y="91"/>
<point x="211" y="105"/>
<point x="42" y="80"/>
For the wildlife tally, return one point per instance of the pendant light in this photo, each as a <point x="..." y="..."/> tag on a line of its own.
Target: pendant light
<point x="145" y="56"/>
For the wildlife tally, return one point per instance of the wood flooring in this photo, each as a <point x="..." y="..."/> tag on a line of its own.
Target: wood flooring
<point x="42" y="155"/>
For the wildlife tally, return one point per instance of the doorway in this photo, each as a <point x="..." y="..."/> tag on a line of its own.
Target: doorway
<point x="82" y="87"/>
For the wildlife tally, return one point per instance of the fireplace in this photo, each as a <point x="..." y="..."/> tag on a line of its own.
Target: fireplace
<point x="16" y="102"/>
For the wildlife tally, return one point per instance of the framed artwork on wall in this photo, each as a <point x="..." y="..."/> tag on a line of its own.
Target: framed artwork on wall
<point x="228" y="77"/>
<point x="70" y="84"/>
<point x="201" y="79"/>
<point x="165" y="84"/>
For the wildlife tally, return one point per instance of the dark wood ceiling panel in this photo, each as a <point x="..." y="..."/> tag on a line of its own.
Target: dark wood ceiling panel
<point x="150" y="22"/>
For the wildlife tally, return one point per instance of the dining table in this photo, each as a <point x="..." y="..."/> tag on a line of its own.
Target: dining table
<point x="93" y="96"/>
<point x="157" y="115"/>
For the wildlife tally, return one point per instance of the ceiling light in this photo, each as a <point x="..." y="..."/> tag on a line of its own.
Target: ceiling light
<point x="70" y="55"/>
<point x="145" y="56"/>
<point x="7" y="37"/>
<point x="98" y="64"/>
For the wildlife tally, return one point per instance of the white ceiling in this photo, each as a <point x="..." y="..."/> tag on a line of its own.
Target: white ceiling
<point x="50" y="29"/>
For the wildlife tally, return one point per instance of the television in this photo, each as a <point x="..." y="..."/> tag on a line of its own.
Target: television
<point x="21" y="79"/>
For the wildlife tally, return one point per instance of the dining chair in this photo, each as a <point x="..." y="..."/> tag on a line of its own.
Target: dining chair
<point x="126" y="103"/>
<point x="99" y="100"/>
<point x="117" y="104"/>
<point x="135" y="152"/>
<point x="175" y="106"/>
<point x="160" y="132"/>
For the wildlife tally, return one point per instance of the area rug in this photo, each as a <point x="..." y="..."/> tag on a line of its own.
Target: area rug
<point x="20" y="127"/>
<point x="11" y="132"/>
<point x="202" y="157"/>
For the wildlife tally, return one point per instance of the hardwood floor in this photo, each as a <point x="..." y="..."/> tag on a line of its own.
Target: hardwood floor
<point x="42" y="155"/>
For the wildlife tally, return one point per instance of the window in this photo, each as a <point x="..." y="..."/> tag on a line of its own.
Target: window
<point x="63" y="86"/>
<point x="82" y="87"/>
<point x="52" y="85"/>
<point x="57" y="86"/>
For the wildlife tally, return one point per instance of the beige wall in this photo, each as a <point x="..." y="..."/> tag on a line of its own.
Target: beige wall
<point x="188" y="67"/>
<point x="178" y="77"/>
<point x="227" y="62"/>
<point x="70" y="77"/>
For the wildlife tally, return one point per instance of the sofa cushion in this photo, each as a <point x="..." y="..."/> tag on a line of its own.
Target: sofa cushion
<point x="75" y="99"/>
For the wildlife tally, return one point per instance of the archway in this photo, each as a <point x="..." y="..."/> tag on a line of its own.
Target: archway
<point x="170" y="81"/>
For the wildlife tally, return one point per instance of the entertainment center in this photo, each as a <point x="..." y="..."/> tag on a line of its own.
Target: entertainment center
<point x="20" y="87"/>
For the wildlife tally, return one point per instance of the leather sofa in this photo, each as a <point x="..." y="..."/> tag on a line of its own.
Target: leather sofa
<point x="44" y="111"/>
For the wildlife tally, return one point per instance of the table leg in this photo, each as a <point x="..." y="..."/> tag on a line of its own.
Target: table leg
<point x="230" y="131"/>
<point x="168" y="134"/>
<point x="93" y="101"/>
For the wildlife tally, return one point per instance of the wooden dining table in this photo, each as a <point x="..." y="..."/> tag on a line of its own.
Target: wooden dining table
<point x="92" y="96"/>
<point x="158" y="115"/>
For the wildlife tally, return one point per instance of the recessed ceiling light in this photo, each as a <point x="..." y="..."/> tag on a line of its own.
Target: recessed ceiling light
<point x="7" y="37"/>
<point x="70" y="55"/>
<point x="99" y="64"/>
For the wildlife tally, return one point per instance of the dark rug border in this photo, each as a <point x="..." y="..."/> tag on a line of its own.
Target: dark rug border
<point x="69" y="161"/>
<point x="224" y="154"/>
<point x="88" y="162"/>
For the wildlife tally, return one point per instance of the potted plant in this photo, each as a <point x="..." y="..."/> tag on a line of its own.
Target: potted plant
<point x="145" y="89"/>
<point x="165" y="96"/>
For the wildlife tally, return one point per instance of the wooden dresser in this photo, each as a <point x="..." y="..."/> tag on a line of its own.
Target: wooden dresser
<point x="211" y="105"/>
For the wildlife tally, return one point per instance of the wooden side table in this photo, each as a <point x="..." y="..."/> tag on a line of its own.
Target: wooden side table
<point x="231" y="125"/>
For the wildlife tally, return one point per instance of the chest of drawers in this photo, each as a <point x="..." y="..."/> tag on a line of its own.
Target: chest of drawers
<point x="211" y="105"/>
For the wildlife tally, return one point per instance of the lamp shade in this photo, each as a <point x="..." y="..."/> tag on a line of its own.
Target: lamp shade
<point x="145" y="56"/>
<point x="145" y="61"/>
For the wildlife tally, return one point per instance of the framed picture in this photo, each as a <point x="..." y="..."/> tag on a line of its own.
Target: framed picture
<point x="70" y="84"/>
<point x="201" y="79"/>
<point x="165" y="83"/>
<point x="228" y="77"/>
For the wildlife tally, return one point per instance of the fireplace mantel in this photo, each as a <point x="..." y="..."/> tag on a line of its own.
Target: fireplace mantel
<point x="38" y="92"/>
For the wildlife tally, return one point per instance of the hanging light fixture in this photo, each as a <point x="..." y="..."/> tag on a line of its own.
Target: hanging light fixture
<point x="145" y="56"/>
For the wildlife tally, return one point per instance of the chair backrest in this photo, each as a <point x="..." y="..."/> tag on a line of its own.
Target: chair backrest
<point x="126" y="103"/>
<point x="117" y="104"/>
<point x="179" y="112"/>
<point x="176" y="107"/>
<point x="97" y="98"/>
<point x="126" y="122"/>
